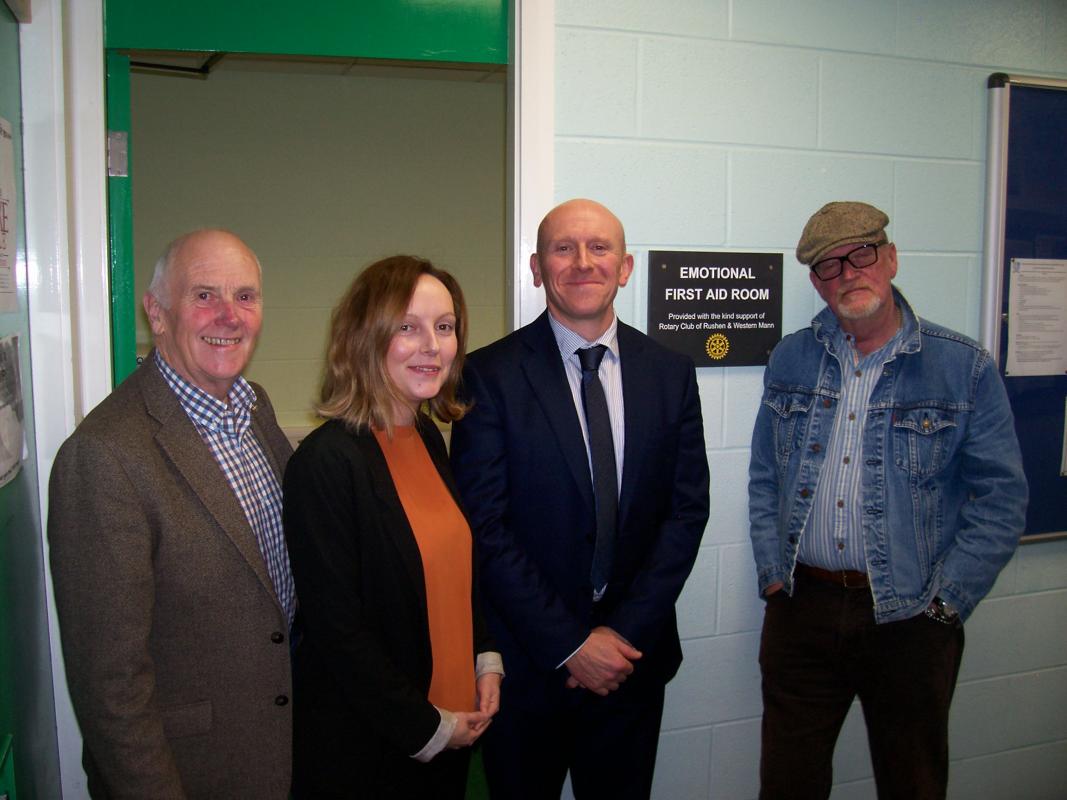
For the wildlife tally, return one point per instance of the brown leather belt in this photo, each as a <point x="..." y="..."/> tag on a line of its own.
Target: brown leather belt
<point x="845" y="578"/>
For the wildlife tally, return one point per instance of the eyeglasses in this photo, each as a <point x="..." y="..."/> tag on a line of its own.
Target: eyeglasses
<point x="860" y="258"/>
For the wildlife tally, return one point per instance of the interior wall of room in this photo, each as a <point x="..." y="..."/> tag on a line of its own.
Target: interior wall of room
<point x="29" y="758"/>
<point x="323" y="173"/>
<point x="707" y="124"/>
<point x="722" y="125"/>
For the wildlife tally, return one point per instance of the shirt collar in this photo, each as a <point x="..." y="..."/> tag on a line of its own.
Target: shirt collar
<point x="568" y="341"/>
<point x="207" y="410"/>
<point x="828" y="329"/>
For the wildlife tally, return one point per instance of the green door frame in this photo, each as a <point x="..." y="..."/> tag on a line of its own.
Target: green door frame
<point x="120" y="218"/>
<point x="474" y="31"/>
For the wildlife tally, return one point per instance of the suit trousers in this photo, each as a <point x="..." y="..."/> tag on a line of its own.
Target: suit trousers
<point x="821" y="649"/>
<point x="607" y="743"/>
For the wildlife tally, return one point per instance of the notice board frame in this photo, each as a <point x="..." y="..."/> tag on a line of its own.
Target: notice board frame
<point x="1026" y="166"/>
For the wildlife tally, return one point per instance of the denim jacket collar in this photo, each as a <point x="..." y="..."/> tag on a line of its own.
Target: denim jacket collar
<point x="825" y="326"/>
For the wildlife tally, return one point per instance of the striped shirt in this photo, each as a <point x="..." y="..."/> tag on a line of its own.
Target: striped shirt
<point x="227" y="431"/>
<point x="610" y="373"/>
<point x="833" y="535"/>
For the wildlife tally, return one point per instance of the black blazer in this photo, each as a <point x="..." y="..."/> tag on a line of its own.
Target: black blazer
<point x="363" y="667"/>
<point x="522" y="468"/>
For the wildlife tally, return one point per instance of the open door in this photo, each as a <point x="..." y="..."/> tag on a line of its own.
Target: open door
<point x="202" y="32"/>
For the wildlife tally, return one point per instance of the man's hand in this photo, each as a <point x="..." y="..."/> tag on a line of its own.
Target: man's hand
<point x="774" y="587"/>
<point x="602" y="663"/>
<point x="487" y="693"/>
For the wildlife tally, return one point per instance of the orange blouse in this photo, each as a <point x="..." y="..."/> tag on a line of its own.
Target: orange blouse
<point x="444" y="540"/>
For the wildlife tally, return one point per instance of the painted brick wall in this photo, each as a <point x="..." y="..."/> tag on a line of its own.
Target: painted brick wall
<point x="719" y="125"/>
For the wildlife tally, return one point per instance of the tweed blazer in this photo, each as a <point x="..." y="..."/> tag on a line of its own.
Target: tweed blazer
<point x="175" y="645"/>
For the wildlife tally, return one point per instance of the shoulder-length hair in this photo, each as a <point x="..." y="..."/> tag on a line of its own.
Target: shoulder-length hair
<point x="356" y="387"/>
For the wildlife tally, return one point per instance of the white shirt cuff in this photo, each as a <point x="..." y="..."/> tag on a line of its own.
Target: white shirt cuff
<point x="439" y="740"/>
<point x="568" y="658"/>
<point x="487" y="662"/>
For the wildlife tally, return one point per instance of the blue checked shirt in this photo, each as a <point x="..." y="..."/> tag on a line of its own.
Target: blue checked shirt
<point x="227" y="431"/>
<point x="833" y="537"/>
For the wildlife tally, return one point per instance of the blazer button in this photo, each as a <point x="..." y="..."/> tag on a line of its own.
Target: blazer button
<point x="277" y="637"/>
<point x="815" y="448"/>
<point x="826" y="403"/>
<point x="281" y="700"/>
<point x="804" y="492"/>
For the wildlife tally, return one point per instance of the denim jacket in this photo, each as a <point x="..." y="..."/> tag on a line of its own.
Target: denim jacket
<point x="943" y="494"/>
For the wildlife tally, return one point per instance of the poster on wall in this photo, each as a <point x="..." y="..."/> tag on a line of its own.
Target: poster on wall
<point x="1063" y="448"/>
<point x="8" y="299"/>
<point x="1037" y="317"/>
<point x="720" y="309"/>
<point x="11" y="439"/>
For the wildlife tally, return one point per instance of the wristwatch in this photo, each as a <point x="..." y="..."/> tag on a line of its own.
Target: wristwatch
<point x="942" y="612"/>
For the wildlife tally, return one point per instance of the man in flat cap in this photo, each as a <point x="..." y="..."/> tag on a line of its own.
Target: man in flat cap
<point x="886" y="491"/>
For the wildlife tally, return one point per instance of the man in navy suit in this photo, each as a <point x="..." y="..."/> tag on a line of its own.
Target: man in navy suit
<point x="589" y="649"/>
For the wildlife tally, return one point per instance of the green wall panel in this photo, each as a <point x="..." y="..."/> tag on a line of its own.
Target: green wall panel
<point x="473" y="31"/>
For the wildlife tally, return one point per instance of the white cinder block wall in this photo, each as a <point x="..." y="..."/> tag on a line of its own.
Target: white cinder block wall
<point x="722" y="125"/>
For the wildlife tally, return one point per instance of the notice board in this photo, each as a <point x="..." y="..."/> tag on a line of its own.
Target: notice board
<point x="1025" y="272"/>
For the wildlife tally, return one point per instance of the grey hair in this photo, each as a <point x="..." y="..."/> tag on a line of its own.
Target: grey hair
<point x="158" y="288"/>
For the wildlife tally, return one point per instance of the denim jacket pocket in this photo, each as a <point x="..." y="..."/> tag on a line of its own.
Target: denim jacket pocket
<point x="923" y="438"/>
<point x="791" y="412"/>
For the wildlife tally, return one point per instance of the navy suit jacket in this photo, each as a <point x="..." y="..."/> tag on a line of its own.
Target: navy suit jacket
<point x="522" y="469"/>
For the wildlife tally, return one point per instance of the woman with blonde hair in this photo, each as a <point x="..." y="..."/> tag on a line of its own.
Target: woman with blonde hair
<point x="394" y="676"/>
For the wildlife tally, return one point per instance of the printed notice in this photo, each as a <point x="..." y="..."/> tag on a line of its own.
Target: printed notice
<point x="8" y="300"/>
<point x="11" y="438"/>
<point x="1037" y="317"/>
<point x="1063" y="451"/>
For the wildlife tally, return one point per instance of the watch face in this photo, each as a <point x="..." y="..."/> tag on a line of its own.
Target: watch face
<point x="941" y="611"/>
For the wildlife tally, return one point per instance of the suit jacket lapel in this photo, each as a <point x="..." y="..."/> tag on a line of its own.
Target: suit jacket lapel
<point x="638" y="388"/>
<point x="544" y="371"/>
<point x="272" y="441"/>
<point x="395" y="520"/>
<point x="179" y="440"/>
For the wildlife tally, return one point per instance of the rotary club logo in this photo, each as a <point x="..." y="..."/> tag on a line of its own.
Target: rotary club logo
<point x="717" y="346"/>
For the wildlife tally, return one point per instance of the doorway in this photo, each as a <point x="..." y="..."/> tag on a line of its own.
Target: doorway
<point x="323" y="166"/>
<point x="63" y="69"/>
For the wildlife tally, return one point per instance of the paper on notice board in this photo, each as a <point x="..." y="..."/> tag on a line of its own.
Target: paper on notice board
<point x="8" y="300"/>
<point x="11" y="440"/>
<point x="1063" y="450"/>
<point x="1037" y="317"/>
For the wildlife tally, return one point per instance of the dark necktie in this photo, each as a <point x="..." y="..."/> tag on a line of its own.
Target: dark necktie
<point x="602" y="453"/>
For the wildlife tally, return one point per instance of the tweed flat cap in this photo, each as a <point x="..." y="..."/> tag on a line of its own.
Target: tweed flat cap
<point x="838" y="223"/>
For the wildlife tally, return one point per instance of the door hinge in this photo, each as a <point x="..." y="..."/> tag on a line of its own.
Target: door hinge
<point x="118" y="151"/>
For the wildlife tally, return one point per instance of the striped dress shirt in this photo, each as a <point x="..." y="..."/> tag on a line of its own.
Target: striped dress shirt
<point x="833" y="536"/>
